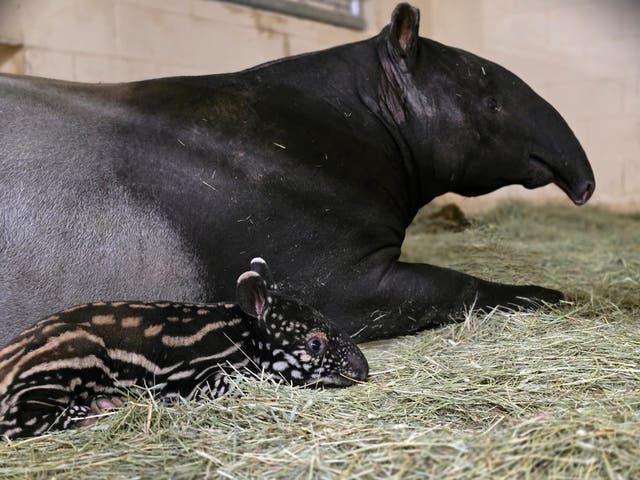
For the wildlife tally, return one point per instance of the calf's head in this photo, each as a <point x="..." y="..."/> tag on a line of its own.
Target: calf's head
<point x="295" y="341"/>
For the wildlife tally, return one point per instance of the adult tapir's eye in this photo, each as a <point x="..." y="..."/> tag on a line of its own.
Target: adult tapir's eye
<point x="316" y="344"/>
<point x="493" y="104"/>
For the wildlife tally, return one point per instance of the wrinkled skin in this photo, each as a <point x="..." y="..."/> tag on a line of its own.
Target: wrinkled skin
<point x="165" y="188"/>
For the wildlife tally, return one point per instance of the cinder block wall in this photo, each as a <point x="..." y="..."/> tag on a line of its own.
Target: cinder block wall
<point x="121" y="40"/>
<point x="581" y="55"/>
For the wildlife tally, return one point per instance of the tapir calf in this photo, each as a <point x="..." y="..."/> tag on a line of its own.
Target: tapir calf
<point x="166" y="188"/>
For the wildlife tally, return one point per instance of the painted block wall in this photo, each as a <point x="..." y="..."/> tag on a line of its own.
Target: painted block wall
<point x="581" y="55"/>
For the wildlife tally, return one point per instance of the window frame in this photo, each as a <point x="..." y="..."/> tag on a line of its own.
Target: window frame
<point x="309" y="12"/>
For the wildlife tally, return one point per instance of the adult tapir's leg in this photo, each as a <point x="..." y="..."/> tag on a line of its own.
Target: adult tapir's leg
<point x="412" y="296"/>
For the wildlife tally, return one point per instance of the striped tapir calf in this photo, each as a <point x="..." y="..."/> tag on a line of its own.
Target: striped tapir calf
<point x="72" y="365"/>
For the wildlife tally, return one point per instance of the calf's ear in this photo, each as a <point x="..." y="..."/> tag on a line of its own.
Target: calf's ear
<point x="403" y="33"/>
<point x="259" y="266"/>
<point x="251" y="294"/>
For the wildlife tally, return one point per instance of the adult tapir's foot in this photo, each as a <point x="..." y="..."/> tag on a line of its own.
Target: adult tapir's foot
<point x="516" y="296"/>
<point x="536" y="295"/>
<point x="412" y="297"/>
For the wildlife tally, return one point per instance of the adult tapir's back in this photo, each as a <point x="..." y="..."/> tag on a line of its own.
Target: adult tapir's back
<point x="165" y="188"/>
<point x="68" y="229"/>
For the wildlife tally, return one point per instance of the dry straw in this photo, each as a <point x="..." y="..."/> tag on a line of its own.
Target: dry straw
<point x="550" y="394"/>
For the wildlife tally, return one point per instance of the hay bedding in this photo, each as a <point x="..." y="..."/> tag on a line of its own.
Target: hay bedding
<point x="551" y="394"/>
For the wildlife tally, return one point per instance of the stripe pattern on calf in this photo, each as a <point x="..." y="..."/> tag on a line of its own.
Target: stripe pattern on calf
<point x="56" y="374"/>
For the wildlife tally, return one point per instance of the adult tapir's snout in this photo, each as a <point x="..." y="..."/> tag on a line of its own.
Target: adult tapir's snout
<point x="557" y="153"/>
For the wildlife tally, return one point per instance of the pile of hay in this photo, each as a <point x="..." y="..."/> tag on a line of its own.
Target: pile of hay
<point x="550" y="394"/>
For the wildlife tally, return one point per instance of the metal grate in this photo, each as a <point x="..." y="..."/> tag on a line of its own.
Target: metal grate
<point x="344" y="13"/>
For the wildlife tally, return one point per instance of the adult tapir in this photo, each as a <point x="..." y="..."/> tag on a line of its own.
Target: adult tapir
<point x="164" y="189"/>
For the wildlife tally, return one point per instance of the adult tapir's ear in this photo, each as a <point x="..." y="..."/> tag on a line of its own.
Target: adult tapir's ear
<point x="259" y="266"/>
<point x="403" y="32"/>
<point x="251" y="294"/>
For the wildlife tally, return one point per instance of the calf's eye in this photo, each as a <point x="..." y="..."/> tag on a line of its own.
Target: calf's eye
<point x="316" y="344"/>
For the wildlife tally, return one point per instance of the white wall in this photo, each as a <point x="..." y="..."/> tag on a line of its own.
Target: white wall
<point x="581" y="55"/>
<point x="120" y="40"/>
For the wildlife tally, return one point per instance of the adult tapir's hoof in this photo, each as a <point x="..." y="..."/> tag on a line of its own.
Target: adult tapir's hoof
<point x="533" y="296"/>
<point x="516" y="296"/>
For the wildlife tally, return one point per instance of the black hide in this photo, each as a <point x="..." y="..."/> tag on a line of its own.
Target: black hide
<point x="165" y="189"/>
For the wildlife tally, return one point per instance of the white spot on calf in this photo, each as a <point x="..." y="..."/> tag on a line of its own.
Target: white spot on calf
<point x="103" y="320"/>
<point x="145" y="306"/>
<point x="305" y="357"/>
<point x="131" y="322"/>
<point x="181" y="375"/>
<point x="153" y="330"/>
<point x="280" y="366"/>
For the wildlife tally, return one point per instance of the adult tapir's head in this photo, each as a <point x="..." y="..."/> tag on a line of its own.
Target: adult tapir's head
<point x="469" y="125"/>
